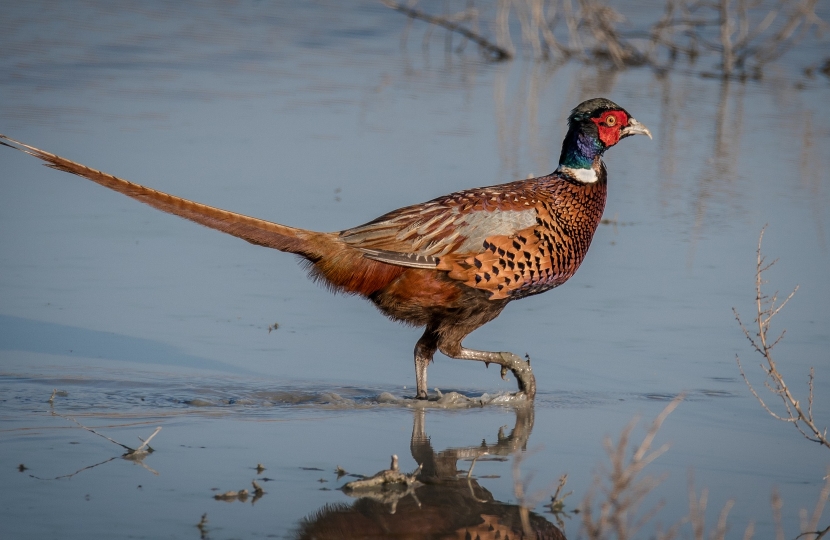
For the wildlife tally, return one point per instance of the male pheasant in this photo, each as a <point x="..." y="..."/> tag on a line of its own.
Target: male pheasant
<point x="451" y="264"/>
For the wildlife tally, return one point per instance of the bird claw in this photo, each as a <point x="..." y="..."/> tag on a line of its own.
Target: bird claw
<point x="504" y="373"/>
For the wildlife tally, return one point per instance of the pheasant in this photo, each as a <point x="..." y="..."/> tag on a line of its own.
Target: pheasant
<point x="450" y="264"/>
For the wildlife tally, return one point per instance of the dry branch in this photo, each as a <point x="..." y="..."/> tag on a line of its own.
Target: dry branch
<point x="242" y="494"/>
<point x="697" y="510"/>
<point x="744" y="34"/>
<point x="557" y="500"/>
<point x="494" y="51"/>
<point x="202" y="526"/>
<point x="766" y="308"/>
<point x="136" y="455"/>
<point x="132" y="453"/>
<point x="809" y="529"/>
<point x="556" y="506"/>
<point x="623" y="488"/>
<point x="527" y="502"/>
<point x="230" y="496"/>
<point x="82" y="469"/>
<point x="376" y="487"/>
<point x="393" y="475"/>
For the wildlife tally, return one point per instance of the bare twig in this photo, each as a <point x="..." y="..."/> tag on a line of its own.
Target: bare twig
<point x="144" y="444"/>
<point x="526" y="501"/>
<point x="82" y="469"/>
<point x="376" y="487"/>
<point x="519" y="488"/>
<point x="726" y="38"/>
<point x="202" y="526"/>
<point x="141" y="450"/>
<point x="776" y="503"/>
<point x="230" y="496"/>
<point x="557" y="500"/>
<point x="135" y="455"/>
<point x="745" y="34"/>
<point x="258" y="491"/>
<point x="766" y="308"/>
<point x="810" y="530"/>
<point x="129" y="450"/>
<point x="801" y="19"/>
<point x="697" y="510"/>
<point x="494" y="51"/>
<point x="393" y="475"/>
<point x="623" y="488"/>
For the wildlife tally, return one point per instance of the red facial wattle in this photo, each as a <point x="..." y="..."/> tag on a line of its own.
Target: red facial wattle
<point x="609" y="130"/>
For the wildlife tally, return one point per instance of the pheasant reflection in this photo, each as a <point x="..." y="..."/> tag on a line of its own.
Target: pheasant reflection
<point x="445" y="503"/>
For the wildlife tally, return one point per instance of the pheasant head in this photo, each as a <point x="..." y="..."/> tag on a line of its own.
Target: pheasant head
<point x="593" y="127"/>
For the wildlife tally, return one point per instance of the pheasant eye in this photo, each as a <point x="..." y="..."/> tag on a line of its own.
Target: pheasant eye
<point x="610" y="121"/>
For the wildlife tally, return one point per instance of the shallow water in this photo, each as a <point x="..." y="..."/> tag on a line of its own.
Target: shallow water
<point x="317" y="116"/>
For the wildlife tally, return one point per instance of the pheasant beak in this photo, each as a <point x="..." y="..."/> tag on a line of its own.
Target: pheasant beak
<point x="634" y="128"/>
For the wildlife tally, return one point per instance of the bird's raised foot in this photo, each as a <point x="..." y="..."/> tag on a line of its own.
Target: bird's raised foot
<point x="508" y="361"/>
<point x="521" y="370"/>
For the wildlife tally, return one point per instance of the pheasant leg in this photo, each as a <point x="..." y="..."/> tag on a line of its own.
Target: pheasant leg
<point x="424" y="351"/>
<point x="507" y="360"/>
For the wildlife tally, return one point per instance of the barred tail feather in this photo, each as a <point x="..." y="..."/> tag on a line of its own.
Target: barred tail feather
<point x="331" y="261"/>
<point x="255" y="231"/>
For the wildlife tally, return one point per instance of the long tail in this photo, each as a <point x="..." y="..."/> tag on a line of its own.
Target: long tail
<point x="332" y="262"/>
<point x="255" y="231"/>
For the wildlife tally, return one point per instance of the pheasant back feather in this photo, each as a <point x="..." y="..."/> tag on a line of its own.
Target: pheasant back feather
<point x="540" y="257"/>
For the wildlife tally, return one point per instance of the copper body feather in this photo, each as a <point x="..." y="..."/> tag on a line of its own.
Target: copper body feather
<point x="511" y="240"/>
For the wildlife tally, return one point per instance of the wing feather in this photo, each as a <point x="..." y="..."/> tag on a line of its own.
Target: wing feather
<point x="460" y="223"/>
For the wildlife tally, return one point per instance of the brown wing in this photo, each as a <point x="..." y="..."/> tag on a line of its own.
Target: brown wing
<point x="420" y="236"/>
<point x="540" y="257"/>
<point x="515" y="265"/>
<point x="255" y="231"/>
<point x="489" y="238"/>
<point x="511" y="240"/>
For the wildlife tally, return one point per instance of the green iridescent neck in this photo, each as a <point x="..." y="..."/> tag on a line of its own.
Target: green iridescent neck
<point x="580" y="150"/>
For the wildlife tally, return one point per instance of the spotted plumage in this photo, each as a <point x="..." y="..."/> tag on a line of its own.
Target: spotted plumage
<point x="512" y="240"/>
<point x="451" y="264"/>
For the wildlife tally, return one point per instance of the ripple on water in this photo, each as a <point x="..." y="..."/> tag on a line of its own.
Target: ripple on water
<point x="151" y="394"/>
